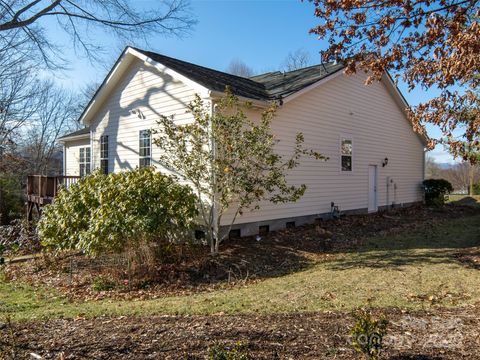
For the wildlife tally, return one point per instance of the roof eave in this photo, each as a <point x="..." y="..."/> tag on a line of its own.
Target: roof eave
<point x="316" y="84"/>
<point x="65" y="139"/>
<point x="120" y="66"/>
<point x="255" y="102"/>
<point x="401" y="102"/>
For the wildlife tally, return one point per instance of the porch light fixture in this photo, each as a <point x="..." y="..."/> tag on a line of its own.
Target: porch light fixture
<point x="385" y="162"/>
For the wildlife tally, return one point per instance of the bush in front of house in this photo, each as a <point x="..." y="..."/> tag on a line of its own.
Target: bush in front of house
<point x="435" y="191"/>
<point x="476" y="189"/>
<point x="118" y="212"/>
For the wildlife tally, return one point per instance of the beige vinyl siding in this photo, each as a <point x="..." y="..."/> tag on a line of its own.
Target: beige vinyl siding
<point x="369" y="116"/>
<point x="141" y="96"/>
<point x="72" y="156"/>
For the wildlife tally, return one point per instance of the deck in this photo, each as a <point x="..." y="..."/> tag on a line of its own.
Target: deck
<point x="41" y="190"/>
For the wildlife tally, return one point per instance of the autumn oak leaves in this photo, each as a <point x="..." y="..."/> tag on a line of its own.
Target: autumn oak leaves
<point x="434" y="45"/>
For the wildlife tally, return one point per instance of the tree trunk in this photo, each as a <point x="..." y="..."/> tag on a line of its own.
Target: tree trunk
<point x="470" y="182"/>
<point x="3" y="219"/>
<point x="215" y="238"/>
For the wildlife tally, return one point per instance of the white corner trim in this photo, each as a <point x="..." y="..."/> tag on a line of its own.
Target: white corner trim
<point x="313" y="86"/>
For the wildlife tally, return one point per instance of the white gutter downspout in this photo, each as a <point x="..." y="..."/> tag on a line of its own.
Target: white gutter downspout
<point x="64" y="170"/>
<point x="214" y="190"/>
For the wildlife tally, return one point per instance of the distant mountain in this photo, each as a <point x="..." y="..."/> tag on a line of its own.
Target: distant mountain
<point x="445" y="165"/>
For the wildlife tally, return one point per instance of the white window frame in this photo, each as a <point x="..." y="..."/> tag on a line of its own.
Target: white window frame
<point x="346" y="137"/>
<point x="140" y="147"/>
<point x="103" y="156"/>
<point x="83" y="162"/>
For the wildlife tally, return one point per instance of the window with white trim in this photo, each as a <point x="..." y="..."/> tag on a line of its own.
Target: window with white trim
<point x="104" y="154"/>
<point x="85" y="161"/>
<point x="145" y="148"/>
<point x="347" y="154"/>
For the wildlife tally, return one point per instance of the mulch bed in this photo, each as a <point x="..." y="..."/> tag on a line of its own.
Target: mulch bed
<point x="443" y="334"/>
<point x="241" y="261"/>
<point x="470" y="257"/>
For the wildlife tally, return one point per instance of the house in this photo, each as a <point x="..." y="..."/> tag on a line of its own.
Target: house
<point x="376" y="160"/>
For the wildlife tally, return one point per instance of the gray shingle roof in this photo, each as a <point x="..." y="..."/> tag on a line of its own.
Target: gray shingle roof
<point x="281" y="84"/>
<point x="83" y="131"/>
<point x="269" y="86"/>
<point x="210" y="78"/>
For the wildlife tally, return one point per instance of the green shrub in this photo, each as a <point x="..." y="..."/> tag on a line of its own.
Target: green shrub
<point x="435" y="191"/>
<point x="476" y="189"/>
<point x="368" y="332"/>
<point x="101" y="283"/>
<point x="225" y="352"/>
<point x="12" y="200"/>
<point x="116" y="212"/>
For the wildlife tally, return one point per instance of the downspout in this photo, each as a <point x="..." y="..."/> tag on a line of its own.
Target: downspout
<point x="424" y="166"/>
<point x="215" y="230"/>
<point x="64" y="170"/>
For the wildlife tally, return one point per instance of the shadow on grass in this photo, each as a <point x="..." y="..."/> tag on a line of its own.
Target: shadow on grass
<point x="400" y="238"/>
<point x="473" y="201"/>
<point x="392" y="260"/>
<point x="415" y="247"/>
<point x="384" y="240"/>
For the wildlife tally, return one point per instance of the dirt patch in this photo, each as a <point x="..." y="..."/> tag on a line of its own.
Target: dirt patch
<point x="443" y="334"/>
<point x="241" y="261"/>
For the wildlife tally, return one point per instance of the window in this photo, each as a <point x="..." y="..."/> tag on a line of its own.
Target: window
<point x="104" y="154"/>
<point x="145" y="148"/>
<point x="85" y="161"/>
<point x="347" y="154"/>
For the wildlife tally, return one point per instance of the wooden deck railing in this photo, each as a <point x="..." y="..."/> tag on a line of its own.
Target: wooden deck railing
<point x="42" y="189"/>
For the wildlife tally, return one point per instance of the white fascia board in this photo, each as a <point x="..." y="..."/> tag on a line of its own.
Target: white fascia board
<point x="200" y="89"/>
<point x="73" y="138"/>
<point x="117" y="71"/>
<point x="120" y="65"/>
<point x="401" y="101"/>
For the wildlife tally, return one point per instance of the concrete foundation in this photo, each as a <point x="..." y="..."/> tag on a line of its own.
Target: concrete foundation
<point x="259" y="227"/>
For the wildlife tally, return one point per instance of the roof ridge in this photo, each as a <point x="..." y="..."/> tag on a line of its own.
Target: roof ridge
<point x="291" y="71"/>
<point x="190" y="63"/>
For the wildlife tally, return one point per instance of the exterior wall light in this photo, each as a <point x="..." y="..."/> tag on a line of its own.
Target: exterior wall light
<point x="385" y="162"/>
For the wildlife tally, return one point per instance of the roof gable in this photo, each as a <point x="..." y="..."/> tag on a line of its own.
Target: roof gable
<point x="265" y="87"/>
<point x="211" y="79"/>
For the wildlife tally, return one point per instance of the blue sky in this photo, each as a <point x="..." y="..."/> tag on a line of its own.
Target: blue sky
<point x="259" y="32"/>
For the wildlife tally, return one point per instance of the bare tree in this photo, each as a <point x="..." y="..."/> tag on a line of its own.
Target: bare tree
<point x="126" y="19"/>
<point x="239" y="68"/>
<point x="462" y="175"/>
<point x="432" y="169"/>
<point x="18" y="92"/>
<point x="57" y="113"/>
<point x="296" y="60"/>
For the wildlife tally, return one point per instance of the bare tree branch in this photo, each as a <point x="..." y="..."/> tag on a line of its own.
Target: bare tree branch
<point x="120" y="17"/>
